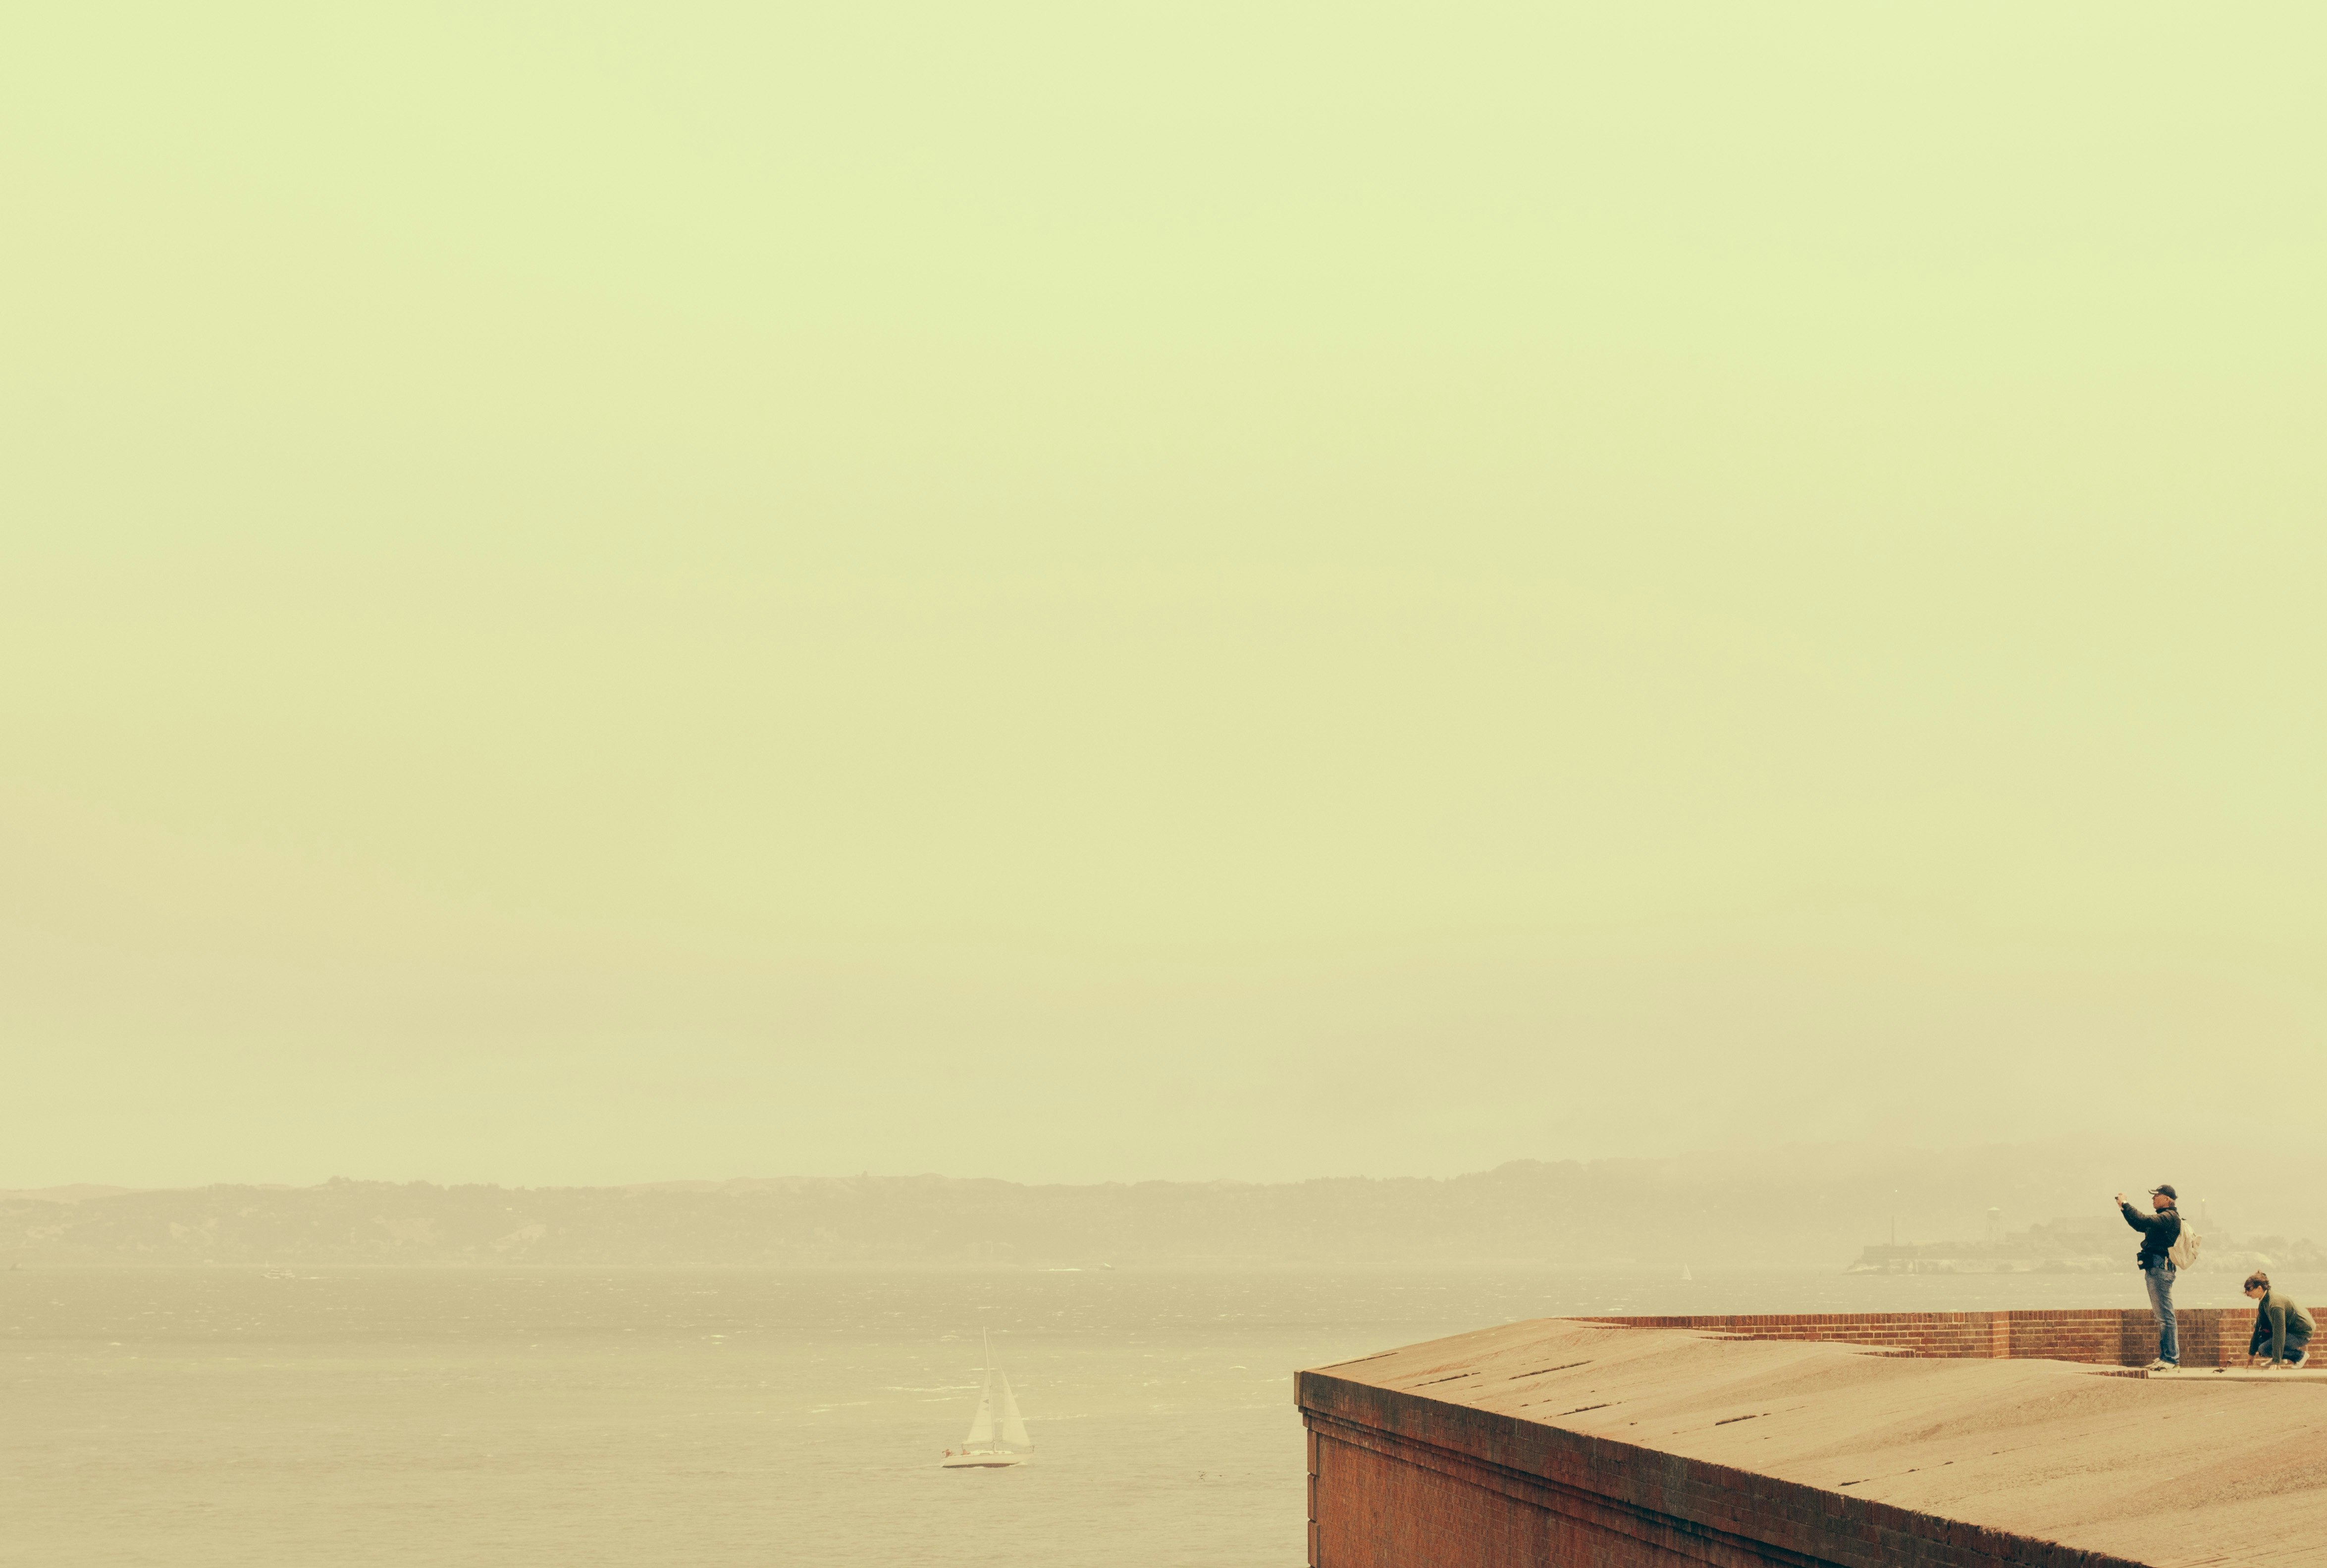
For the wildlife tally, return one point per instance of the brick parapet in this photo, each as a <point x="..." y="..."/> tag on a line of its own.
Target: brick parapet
<point x="2100" y="1336"/>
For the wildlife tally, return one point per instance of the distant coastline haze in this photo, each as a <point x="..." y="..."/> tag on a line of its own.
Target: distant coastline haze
<point x="1866" y="1207"/>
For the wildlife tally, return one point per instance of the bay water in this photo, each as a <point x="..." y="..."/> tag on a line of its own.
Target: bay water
<point x="718" y="1418"/>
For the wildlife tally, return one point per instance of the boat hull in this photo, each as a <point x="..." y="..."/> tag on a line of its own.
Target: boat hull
<point x="984" y="1461"/>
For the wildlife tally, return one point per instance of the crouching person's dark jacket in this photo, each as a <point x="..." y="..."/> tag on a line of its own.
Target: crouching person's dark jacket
<point x="2280" y="1323"/>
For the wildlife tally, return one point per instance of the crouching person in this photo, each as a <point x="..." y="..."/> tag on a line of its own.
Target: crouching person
<point x="2282" y="1326"/>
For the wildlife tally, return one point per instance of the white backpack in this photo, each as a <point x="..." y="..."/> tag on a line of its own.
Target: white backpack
<point x="2184" y="1250"/>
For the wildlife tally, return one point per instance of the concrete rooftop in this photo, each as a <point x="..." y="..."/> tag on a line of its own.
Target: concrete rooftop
<point x="2195" y="1467"/>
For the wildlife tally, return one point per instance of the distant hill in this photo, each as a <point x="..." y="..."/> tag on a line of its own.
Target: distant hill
<point x="2081" y="1244"/>
<point x="1796" y="1208"/>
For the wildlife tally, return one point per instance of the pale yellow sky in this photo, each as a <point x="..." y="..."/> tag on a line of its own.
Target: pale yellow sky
<point x="1107" y="591"/>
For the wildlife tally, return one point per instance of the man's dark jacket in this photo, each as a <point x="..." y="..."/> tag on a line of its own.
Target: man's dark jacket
<point x="2159" y="1232"/>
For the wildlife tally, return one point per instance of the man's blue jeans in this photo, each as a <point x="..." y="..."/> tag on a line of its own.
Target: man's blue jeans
<point x="2160" y="1281"/>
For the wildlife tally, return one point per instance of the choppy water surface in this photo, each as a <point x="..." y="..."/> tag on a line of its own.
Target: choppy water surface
<point x="715" y="1417"/>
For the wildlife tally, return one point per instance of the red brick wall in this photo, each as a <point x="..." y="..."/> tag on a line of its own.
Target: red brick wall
<point x="2106" y="1336"/>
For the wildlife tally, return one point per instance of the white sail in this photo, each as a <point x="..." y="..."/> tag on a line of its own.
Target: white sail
<point x="981" y="1425"/>
<point x="1014" y="1425"/>
<point x="979" y="1452"/>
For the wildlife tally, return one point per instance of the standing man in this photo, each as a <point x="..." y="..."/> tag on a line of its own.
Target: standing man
<point x="2159" y="1231"/>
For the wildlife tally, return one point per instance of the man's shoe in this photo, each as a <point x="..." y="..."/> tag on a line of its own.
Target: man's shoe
<point x="2167" y="1367"/>
<point x="2159" y="1365"/>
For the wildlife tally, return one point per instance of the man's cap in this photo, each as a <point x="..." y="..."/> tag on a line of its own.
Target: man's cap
<point x="2168" y="1190"/>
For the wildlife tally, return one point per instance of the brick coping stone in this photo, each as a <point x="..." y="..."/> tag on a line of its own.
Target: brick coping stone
<point x="1888" y="1439"/>
<point x="2109" y="1336"/>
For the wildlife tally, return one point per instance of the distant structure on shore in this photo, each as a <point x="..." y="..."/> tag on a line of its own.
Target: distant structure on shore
<point x="2081" y="1244"/>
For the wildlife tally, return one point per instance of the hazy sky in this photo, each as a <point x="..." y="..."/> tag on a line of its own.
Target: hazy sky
<point x="601" y="594"/>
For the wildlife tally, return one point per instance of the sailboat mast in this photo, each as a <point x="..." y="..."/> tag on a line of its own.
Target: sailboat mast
<point x="981" y="1425"/>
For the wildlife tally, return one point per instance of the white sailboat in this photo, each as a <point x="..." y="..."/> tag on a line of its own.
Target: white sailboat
<point x="984" y="1448"/>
